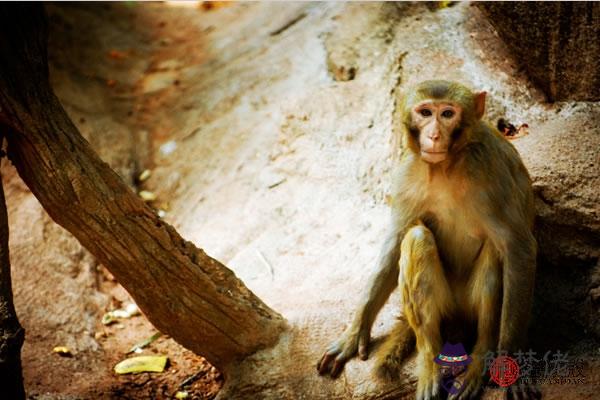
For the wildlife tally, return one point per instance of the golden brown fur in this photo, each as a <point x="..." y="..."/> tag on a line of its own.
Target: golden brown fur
<point x="460" y="241"/>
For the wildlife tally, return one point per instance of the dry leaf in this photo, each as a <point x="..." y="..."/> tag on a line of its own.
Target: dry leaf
<point x="135" y="365"/>
<point x="144" y="175"/>
<point x="147" y="195"/>
<point x="63" y="351"/>
<point x="124" y="313"/>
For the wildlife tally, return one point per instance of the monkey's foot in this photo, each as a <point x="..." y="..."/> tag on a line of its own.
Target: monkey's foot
<point x="471" y="382"/>
<point x="339" y="352"/>
<point x="428" y="384"/>
<point x="388" y="367"/>
<point x="427" y="389"/>
<point x="394" y="350"/>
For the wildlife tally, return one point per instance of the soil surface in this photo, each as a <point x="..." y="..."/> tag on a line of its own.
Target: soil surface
<point x="104" y="59"/>
<point x="267" y="130"/>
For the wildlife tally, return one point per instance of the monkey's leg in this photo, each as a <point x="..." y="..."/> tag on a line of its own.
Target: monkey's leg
<point x="427" y="299"/>
<point x="484" y="291"/>
<point x="394" y="350"/>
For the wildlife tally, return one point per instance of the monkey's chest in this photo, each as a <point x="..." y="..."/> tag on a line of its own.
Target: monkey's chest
<point x="458" y="237"/>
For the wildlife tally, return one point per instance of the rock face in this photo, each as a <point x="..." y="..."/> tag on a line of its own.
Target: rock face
<point x="563" y="160"/>
<point x="558" y="43"/>
<point x="267" y="127"/>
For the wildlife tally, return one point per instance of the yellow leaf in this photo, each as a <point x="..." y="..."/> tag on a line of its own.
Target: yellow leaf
<point x="147" y="195"/>
<point x="62" y="351"/>
<point x="135" y="365"/>
<point x="144" y="175"/>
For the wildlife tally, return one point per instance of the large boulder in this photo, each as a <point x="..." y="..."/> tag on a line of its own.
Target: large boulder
<point x="563" y="160"/>
<point x="558" y="43"/>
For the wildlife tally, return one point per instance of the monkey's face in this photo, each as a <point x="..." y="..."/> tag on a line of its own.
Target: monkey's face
<point x="434" y="122"/>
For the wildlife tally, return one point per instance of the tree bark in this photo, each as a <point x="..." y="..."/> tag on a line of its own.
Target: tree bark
<point x="11" y="332"/>
<point x="183" y="292"/>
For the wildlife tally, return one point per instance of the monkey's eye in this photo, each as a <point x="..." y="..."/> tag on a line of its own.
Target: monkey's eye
<point x="425" y="112"/>
<point x="448" y="114"/>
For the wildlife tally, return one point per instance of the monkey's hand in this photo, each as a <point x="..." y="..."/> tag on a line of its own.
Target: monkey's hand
<point x="343" y="349"/>
<point x="471" y="381"/>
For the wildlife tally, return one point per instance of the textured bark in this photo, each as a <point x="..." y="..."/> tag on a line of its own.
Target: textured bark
<point x="182" y="291"/>
<point x="11" y="332"/>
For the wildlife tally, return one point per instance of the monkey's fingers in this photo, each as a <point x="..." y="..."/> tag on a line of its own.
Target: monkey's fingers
<point x="536" y="392"/>
<point x="363" y="347"/>
<point x="471" y="390"/>
<point x="524" y="392"/>
<point x="325" y="362"/>
<point x="338" y="365"/>
<point x="510" y="394"/>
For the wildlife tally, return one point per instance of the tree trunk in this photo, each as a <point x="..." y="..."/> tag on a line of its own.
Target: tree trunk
<point x="11" y="332"/>
<point x="183" y="292"/>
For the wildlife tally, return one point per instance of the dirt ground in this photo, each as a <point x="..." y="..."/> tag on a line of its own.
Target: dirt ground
<point x="101" y="70"/>
<point x="270" y="155"/>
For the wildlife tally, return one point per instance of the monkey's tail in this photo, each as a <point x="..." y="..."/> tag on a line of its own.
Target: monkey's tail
<point x="399" y="344"/>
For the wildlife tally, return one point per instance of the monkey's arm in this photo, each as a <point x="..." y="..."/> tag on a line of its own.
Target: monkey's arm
<point x="518" y="275"/>
<point x="356" y="337"/>
<point x="514" y="239"/>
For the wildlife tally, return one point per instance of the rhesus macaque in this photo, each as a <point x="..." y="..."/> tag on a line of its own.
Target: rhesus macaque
<point x="460" y="245"/>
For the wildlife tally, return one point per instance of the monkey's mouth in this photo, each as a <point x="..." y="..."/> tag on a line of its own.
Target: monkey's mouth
<point x="433" y="156"/>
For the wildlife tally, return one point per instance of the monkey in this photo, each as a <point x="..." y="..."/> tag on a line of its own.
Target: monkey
<point x="459" y="246"/>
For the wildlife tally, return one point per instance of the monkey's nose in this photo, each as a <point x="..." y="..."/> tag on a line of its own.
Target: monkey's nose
<point x="435" y="136"/>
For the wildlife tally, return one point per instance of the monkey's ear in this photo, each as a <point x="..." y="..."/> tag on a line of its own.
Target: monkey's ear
<point x="480" y="104"/>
